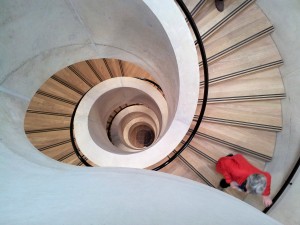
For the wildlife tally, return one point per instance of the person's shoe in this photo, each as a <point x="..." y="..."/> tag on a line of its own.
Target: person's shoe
<point x="219" y="5"/>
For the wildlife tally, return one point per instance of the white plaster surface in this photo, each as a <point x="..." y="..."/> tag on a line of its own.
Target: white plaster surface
<point x="94" y="110"/>
<point x="110" y="196"/>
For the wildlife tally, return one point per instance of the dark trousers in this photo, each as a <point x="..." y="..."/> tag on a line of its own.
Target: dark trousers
<point x="224" y="184"/>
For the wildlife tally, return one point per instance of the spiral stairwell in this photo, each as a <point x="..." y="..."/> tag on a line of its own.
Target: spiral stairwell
<point x="243" y="112"/>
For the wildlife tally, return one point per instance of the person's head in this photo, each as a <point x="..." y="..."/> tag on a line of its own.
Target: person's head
<point x="256" y="183"/>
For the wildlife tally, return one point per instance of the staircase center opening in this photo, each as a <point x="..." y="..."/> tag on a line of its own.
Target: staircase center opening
<point x="142" y="136"/>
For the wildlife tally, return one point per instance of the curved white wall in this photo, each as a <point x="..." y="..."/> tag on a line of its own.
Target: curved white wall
<point x="113" y="196"/>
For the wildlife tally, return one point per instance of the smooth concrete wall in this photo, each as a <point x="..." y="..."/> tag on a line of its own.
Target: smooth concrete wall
<point x="112" y="196"/>
<point x="285" y="16"/>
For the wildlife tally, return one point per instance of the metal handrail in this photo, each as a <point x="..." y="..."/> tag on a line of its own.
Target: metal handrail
<point x="206" y="77"/>
<point x="284" y="186"/>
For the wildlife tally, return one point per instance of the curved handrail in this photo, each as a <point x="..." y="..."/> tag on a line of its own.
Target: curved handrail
<point x="76" y="150"/>
<point x="205" y="94"/>
<point x="150" y="81"/>
<point x="284" y="186"/>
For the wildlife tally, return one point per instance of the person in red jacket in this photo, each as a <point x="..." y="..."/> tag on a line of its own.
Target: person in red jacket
<point x="239" y="174"/>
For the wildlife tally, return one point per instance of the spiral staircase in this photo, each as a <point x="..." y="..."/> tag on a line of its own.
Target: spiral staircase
<point x="242" y="115"/>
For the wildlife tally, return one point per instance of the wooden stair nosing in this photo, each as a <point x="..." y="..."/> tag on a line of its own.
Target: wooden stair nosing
<point x="78" y="74"/>
<point x="46" y="94"/>
<point x="190" y="146"/>
<point x="197" y="7"/>
<point x="54" y="145"/>
<point x="108" y="69"/>
<point x="94" y="71"/>
<point x="234" y="146"/>
<point x="240" y="123"/>
<point x="244" y="98"/>
<point x="238" y="45"/>
<point x="48" y="113"/>
<point x="121" y="67"/>
<point x="66" y="84"/>
<point x="46" y="130"/>
<point x="244" y="72"/>
<point x="195" y="171"/>
<point x="66" y="156"/>
<point x="226" y="18"/>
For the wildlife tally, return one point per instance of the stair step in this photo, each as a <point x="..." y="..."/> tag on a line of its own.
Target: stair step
<point x="209" y="19"/>
<point x="55" y="98"/>
<point x="88" y="72"/>
<point x="102" y="68"/>
<point x="249" y="25"/>
<point x="258" y="143"/>
<point x="194" y="6"/>
<point x="42" y="103"/>
<point x="113" y="66"/>
<point x="69" y="77"/>
<point x="259" y="55"/>
<point x="179" y="168"/>
<point x="40" y="140"/>
<point x="254" y="114"/>
<point x="55" y="88"/>
<point x="213" y="151"/>
<point x="60" y="151"/>
<point x="131" y="70"/>
<point x="203" y="166"/>
<point x="252" y="87"/>
<point x="37" y="121"/>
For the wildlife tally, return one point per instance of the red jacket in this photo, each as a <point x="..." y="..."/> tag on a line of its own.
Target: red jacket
<point x="237" y="168"/>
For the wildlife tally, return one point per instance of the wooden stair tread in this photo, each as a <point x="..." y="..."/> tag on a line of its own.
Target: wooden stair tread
<point x="40" y="140"/>
<point x="72" y="159"/>
<point x="210" y="19"/>
<point x="86" y="70"/>
<point x="114" y="67"/>
<point x="244" y="87"/>
<point x="247" y="26"/>
<point x="214" y="151"/>
<point x="256" y="114"/>
<point x="57" y="89"/>
<point x="101" y="66"/>
<point x="191" y="4"/>
<point x="35" y="121"/>
<point x="205" y="167"/>
<point x="131" y="70"/>
<point x="69" y="77"/>
<point x="42" y="103"/>
<point x="259" y="143"/>
<point x="178" y="168"/>
<point x="59" y="151"/>
<point x="258" y="55"/>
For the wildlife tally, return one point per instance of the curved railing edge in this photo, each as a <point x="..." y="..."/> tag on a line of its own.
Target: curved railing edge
<point x="150" y="81"/>
<point x="206" y="77"/>
<point x="284" y="186"/>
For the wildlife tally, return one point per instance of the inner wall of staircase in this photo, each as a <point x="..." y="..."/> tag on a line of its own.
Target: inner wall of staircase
<point x="94" y="110"/>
